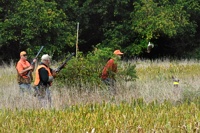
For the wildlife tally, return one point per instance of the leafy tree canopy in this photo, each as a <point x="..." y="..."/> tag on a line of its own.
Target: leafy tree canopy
<point x="34" y="23"/>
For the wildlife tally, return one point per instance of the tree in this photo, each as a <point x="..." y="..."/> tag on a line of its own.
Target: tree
<point x="34" y="23"/>
<point x="154" y="20"/>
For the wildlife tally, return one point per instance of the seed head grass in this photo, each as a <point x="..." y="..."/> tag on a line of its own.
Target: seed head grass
<point x="149" y="104"/>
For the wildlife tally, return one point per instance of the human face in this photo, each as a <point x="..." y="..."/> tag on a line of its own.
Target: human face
<point x="47" y="62"/>
<point x="119" y="57"/>
<point x="24" y="57"/>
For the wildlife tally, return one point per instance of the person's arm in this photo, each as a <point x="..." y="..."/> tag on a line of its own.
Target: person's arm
<point x="107" y="67"/>
<point x="21" y="70"/>
<point x="34" y="61"/>
<point x="114" y="68"/>
<point x="53" y="72"/>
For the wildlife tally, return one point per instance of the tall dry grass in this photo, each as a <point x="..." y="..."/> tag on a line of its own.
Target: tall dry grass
<point x="154" y="83"/>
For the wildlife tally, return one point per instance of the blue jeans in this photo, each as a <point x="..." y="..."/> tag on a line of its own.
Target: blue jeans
<point x="24" y="88"/>
<point x="43" y="94"/>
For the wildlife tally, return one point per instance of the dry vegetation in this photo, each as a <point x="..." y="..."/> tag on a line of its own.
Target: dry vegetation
<point x="120" y="113"/>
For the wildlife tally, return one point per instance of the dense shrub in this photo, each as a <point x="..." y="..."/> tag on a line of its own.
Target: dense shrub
<point x="86" y="69"/>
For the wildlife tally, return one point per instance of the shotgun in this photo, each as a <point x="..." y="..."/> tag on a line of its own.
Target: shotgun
<point x="33" y="63"/>
<point x="64" y="63"/>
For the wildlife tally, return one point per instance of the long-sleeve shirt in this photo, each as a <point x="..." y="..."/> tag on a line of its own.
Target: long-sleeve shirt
<point x="109" y="70"/>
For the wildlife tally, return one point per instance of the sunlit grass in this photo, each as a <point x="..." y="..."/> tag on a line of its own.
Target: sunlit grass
<point x="146" y="105"/>
<point x="105" y="117"/>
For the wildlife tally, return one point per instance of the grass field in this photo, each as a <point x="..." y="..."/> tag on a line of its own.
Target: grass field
<point x="150" y="104"/>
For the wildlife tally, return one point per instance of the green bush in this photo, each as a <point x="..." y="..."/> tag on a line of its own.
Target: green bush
<point x="128" y="72"/>
<point x="86" y="69"/>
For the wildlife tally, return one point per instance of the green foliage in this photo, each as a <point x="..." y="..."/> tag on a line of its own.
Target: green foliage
<point x="34" y="23"/>
<point x="117" y="31"/>
<point x="119" y="36"/>
<point x="125" y="25"/>
<point x="154" y="19"/>
<point x="194" y="53"/>
<point x="86" y="70"/>
<point x="137" y="47"/>
<point x="128" y="71"/>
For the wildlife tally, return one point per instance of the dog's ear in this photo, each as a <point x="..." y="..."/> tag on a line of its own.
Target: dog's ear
<point x="175" y="79"/>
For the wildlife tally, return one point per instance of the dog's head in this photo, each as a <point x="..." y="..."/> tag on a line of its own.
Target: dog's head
<point x="175" y="81"/>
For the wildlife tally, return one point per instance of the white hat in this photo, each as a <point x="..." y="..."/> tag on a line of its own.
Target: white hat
<point x="46" y="57"/>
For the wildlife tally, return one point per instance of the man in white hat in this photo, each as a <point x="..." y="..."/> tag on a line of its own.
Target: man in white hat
<point x="43" y="80"/>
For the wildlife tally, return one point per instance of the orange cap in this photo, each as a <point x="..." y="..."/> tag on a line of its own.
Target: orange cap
<point x="22" y="53"/>
<point x="118" y="52"/>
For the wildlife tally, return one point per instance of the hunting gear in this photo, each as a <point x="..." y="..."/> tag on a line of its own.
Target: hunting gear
<point x="43" y="80"/>
<point x="33" y="63"/>
<point x="64" y="63"/>
<point x="110" y="70"/>
<point x="23" y="67"/>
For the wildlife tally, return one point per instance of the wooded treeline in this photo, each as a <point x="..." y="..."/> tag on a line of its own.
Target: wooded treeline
<point x="125" y="24"/>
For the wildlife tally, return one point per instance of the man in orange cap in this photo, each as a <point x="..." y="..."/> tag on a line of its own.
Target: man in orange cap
<point x="110" y="69"/>
<point x="23" y="67"/>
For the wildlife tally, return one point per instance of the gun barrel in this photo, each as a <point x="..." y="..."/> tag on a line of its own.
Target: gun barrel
<point x="65" y="62"/>
<point x="39" y="52"/>
<point x="33" y="63"/>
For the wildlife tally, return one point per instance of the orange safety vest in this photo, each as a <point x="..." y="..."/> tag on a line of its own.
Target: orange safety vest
<point x="37" y="77"/>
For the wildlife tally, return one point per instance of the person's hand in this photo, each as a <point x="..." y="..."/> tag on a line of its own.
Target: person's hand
<point x="30" y="67"/>
<point x="54" y="73"/>
<point x="50" y="79"/>
<point x="34" y="60"/>
<point x="55" y="70"/>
